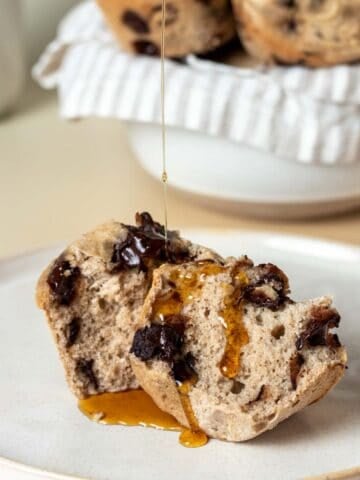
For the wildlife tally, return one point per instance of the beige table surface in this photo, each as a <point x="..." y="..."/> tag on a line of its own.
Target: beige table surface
<point x="58" y="179"/>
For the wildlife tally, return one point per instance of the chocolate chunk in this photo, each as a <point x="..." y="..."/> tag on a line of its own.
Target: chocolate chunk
<point x="62" y="281"/>
<point x="135" y="22"/>
<point x="85" y="369"/>
<point x="165" y="342"/>
<point x="237" y="387"/>
<point x="296" y="362"/>
<point x="278" y="331"/>
<point x="270" y="274"/>
<point x="316" y="333"/>
<point x="72" y="331"/>
<point x="162" y="342"/>
<point x="183" y="368"/>
<point x="267" y="274"/>
<point x="147" y="242"/>
<point x="145" y="47"/>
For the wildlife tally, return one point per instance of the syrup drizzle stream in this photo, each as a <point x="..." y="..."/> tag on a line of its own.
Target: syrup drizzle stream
<point x="164" y="175"/>
<point x="192" y="437"/>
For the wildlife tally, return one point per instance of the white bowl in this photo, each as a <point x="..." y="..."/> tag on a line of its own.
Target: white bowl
<point x="230" y="176"/>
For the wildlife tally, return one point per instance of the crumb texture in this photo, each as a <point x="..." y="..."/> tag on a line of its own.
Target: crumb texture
<point x="93" y="294"/>
<point x="286" y="356"/>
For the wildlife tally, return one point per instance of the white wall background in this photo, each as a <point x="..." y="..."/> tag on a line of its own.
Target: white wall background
<point x="40" y="20"/>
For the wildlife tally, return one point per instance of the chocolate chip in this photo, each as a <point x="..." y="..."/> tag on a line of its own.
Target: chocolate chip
<point x="62" y="281"/>
<point x="237" y="387"/>
<point x="267" y="274"/>
<point x="84" y="368"/>
<point x="183" y="368"/>
<point x="165" y="342"/>
<point x="135" y="22"/>
<point x="296" y="362"/>
<point x="72" y="330"/>
<point x="162" y="342"/>
<point x="146" y="242"/>
<point x="316" y="333"/>
<point x="278" y="331"/>
<point x="145" y="47"/>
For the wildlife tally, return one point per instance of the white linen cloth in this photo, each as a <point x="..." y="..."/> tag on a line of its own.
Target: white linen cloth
<point x="305" y="115"/>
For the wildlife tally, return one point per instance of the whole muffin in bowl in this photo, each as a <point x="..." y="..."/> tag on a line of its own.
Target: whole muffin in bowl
<point x="191" y="26"/>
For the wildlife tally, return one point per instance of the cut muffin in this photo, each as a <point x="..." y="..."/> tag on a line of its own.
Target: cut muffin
<point x="312" y="32"/>
<point x="92" y="295"/>
<point x="191" y="26"/>
<point x="225" y="351"/>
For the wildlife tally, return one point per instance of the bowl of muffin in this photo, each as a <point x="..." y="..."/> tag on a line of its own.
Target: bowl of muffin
<point x="312" y="34"/>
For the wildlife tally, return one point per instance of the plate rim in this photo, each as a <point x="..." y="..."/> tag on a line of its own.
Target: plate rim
<point x="18" y="467"/>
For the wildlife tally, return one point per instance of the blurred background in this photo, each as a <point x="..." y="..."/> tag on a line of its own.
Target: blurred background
<point x="60" y="178"/>
<point x="40" y="20"/>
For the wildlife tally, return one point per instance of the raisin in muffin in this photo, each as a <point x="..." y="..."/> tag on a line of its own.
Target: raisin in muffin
<point x="225" y="351"/>
<point x="313" y="32"/>
<point x="92" y="295"/>
<point x="191" y="26"/>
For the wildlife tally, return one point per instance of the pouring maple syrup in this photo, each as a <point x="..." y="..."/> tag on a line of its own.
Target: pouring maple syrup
<point x="164" y="176"/>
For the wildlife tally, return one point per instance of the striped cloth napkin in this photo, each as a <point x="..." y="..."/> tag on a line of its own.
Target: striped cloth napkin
<point x="304" y="115"/>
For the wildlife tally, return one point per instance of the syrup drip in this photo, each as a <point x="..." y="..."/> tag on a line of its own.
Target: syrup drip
<point x="132" y="408"/>
<point x="136" y="408"/>
<point x="236" y="334"/>
<point x="192" y="437"/>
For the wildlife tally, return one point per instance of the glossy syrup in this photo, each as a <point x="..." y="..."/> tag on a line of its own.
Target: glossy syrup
<point x="187" y="286"/>
<point x="236" y="333"/>
<point x="132" y="408"/>
<point x="192" y="437"/>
